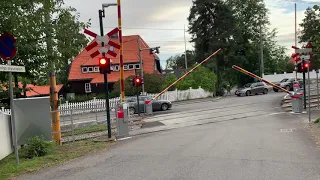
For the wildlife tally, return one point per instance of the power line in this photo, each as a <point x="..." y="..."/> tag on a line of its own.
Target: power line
<point x="144" y="28"/>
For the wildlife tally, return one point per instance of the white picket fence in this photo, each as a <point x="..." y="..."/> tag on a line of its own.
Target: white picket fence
<point x="97" y="105"/>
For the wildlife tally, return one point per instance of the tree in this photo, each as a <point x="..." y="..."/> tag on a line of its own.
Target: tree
<point x="153" y="83"/>
<point x="202" y="76"/>
<point x="234" y="26"/>
<point x="211" y="25"/>
<point x="178" y="61"/>
<point x="311" y="33"/>
<point x="170" y="78"/>
<point x="42" y="40"/>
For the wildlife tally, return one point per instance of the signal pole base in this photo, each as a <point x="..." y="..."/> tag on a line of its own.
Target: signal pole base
<point x="104" y="139"/>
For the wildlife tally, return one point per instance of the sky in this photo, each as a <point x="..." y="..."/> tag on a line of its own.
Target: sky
<point x="162" y="24"/>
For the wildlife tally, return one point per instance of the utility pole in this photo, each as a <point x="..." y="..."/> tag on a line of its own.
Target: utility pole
<point x="295" y="31"/>
<point x="185" y="48"/>
<point x="105" y="77"/>
<point x="56" y="129"/>
<point x="261" y="53"/>
<point x="141" y="62"/>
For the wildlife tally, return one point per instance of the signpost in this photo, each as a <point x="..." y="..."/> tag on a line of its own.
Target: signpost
<point x="103" y="39"/>
<point x="10" y="68"/>
<point x="7" y="52"/>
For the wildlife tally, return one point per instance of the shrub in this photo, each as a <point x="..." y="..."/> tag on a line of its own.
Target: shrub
<point x="37" y="147"/>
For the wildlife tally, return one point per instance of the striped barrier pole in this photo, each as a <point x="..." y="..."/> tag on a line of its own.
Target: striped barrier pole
<point x="166" y="89"/>
<point x="259" y="78"/>
<point x="121" y="53"/>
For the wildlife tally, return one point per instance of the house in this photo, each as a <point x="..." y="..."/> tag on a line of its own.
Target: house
<point x="84" y="76"/>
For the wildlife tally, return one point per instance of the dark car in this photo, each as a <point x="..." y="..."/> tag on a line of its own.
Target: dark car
<point x="287" y="83"/>
<point x="252" y="89"/>
<point x="157" y="105"/>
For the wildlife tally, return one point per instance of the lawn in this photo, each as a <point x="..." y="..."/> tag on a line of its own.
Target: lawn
<point x="56" y="156"/>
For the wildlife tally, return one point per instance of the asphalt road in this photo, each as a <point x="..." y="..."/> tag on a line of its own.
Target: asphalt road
<point x="241" y="138"/>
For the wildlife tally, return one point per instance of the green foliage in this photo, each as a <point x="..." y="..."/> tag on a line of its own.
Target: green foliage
<point x="317" y="120"/>
<point x="202" y="76"/>
<point x="153" y="84"/>
<point x="170" y="78"/>
<point x="234" y="26"/>
<point x="47" y="33"/>
<point x="178" y="61"/>
<point x="37" y="147"/>
<point x="311" y="33"/>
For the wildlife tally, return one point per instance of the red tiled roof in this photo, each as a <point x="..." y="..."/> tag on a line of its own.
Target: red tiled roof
<point x="33" y="90"/>
<point x="130" y="54"/>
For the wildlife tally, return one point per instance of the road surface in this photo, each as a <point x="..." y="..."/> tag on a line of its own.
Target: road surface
<point x="246" y="138"/>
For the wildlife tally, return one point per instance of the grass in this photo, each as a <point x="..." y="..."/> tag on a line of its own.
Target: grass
<point x="56" y="156"/>
<point x="317" y="121"/>
<point x="89" y="129"/>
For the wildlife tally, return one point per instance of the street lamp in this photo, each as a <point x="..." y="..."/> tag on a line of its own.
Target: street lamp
<point x="101" y="15"/>
<point x="105" y="5"/>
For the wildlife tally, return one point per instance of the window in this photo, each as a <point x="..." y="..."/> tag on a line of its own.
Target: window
<point x="96" y="69"/>
<point x="87" y="87"/>
<point x="90" y="69"/>
<point x="84" y="69"/>
<point x="125" y="67"/>
<point x="116" y="68"/>
<point x="130" y="66"/>
<point x="137" y="66"/>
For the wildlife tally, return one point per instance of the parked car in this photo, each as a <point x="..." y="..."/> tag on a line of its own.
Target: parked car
<point x="252" y="89"/>
<point x="157" y="105"/>
<point x="287" y="83"/>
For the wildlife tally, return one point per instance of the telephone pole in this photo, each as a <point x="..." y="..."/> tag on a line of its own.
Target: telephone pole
<point x="261" y="53"/>
<point x="185" y="48"/>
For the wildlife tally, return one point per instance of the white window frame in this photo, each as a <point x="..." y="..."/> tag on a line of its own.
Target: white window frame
<point x="137" y="66"/>
<point x="92" y="69"/>
<point x="131" y="67"/>
<point x="116" y="68"/>
<point x="96" y="69"/>
<point x="84" y="70"/>
<point x="125" y="67"/>
<point x="87" y="87"/>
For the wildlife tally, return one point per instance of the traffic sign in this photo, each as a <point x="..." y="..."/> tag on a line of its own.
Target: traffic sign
<point x="105" y="39"/>
<point x="9" y="68"/>
<point x="7" y="48"/>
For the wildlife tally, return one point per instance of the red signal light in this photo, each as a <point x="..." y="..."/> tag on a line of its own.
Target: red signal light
<point x="306" y="65"/>
<point x="137" y="81"/>
<point x="102" y="61"/>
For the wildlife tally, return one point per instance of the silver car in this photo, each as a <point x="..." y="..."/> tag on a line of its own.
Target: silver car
<point x="157" y="105"/>
<point x="252" y="89"/>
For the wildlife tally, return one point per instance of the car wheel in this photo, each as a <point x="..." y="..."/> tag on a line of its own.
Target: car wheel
<point x="131" y="111"/>
<point x="275" y="90"/>
<point x="164" y="107"/>
<point x="265" y="91"/>
<point x="248" y="93"/>
<point x="288" y="88"/>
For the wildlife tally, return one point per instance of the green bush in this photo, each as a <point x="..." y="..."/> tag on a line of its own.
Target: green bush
<point x="37" y="147"/>
<point x="317" y="120"/>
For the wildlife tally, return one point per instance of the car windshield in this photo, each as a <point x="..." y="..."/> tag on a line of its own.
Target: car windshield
<point x="145" y="98"/>
<point x="284" y="80"/>
<point x="247" y="85"/>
